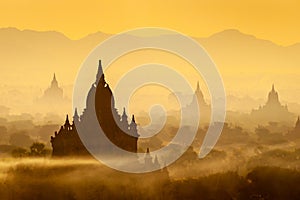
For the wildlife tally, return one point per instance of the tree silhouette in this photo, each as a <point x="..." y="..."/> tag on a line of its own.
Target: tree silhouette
<point x="38" y="149"/>
<point x="19" y="152"/>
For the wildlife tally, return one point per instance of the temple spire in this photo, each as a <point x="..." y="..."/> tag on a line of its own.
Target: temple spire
<point x="198" y="96"/>
<point x="67" y="124"/>
<point x="67" y="119"/>
<point x="148" y="159"/>
<point x="100" y="74"/>
<point x="124" y="121"/>
<point x="76" y="116"/>
<point x="75" y="113"/>
<point x="54" y="82"/>
<point x="133" y="128"/>
<point x="124" y="116"/>
<point x="273" y="96"/>
<point x="156" y="163"/>
<point x="100" y="70"/>
<point x="198" y="87"/>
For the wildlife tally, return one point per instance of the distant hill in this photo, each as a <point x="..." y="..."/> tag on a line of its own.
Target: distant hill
<point x="42" y="53"/>
<point x="247" y="62"/>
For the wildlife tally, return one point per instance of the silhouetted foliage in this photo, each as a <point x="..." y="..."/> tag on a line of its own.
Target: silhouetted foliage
<point x="38" y="149"/>
<point x="271" y="183"/>
<point x="19" y="152"/>
<point x="65" y="180"/>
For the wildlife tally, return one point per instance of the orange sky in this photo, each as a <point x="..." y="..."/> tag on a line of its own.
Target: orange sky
<point x="274" y="20"/>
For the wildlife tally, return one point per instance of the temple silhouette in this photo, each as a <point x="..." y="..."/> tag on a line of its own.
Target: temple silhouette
<point x="53" y="94"/>
<point x="273" y="110"/>
<point x="202" y="105"/>
<point x="66" y="141"/>
<point x="53" y="99"/>
<point x="297" y="126"/>
<point x="100" y="100"/>
<point x="295" y="132"/>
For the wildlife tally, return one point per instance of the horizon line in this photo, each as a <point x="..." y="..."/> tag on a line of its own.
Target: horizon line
<point x="111" y="34"/>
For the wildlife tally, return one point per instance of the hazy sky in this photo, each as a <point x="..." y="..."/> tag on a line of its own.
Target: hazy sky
<point x="274" y="20"/>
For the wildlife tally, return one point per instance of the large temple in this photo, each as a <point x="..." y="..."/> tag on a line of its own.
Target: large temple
<point x="123" y="134"/>
<point x="273" y="110"/>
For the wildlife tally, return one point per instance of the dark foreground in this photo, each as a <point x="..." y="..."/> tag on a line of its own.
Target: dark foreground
<point x="88" y="180"/>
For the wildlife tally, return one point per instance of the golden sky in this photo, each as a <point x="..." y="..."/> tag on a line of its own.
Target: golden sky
<point x="273" y="20"/>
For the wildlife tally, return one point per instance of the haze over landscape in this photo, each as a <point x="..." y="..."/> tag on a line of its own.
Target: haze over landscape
<point x="51" y="150"/>
<point x="248" y="66"/>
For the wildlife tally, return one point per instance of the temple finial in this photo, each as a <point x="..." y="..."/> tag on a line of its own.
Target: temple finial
<point x="198" y="87"/>
<point x="100" y="75"/>
<point x="133" y="119"/>
<point x="298" y="122"/>
<point x="67" y="122"/>
<point x="76" y="113"/>
<point x="76" y="116"/>
<point x="54" y="82"/>
<point x="124" y="112"/>
<point x="100" y="70"/>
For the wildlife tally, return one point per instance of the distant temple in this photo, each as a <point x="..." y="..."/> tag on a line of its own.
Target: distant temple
<point x="149" y="162"/>
<point x="66" y="141"/>
<point x="198" y="96"/>
<point x="53" y="99"/>
<point x="54" y="93"/>
<point x="204" y="108"/>
<point x="297" y="126"/>
<point x="272" y="111"/>
<point x="296" y="129"/>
